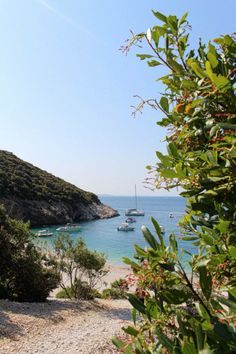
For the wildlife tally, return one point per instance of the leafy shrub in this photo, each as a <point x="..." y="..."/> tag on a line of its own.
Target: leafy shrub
<point x="85" y="293"/>
<point x="196" y="312"/>
<point x="65" y="293"/>
<point x="25" y="273"/>
<point x="84" y="268"/>
<point x="118" y="290"/>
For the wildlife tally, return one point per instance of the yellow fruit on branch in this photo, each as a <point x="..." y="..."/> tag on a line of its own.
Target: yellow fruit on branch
<point x="189" y="110"/>
<point x="180" y="108"/>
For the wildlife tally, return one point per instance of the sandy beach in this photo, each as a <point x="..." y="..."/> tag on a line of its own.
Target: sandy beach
<point x="64" y="326"/>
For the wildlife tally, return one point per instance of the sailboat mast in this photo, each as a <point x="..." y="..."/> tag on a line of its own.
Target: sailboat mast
<point x="136" y="204"/>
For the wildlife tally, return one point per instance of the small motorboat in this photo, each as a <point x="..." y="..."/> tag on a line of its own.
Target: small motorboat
<point x="130" y="220"/>
<point x="134" y="212"/>
<point x="68" y="228"/>
<point x="171" y="215"/>
<point x="44" y="233"/>
<point x="125" y="227"/>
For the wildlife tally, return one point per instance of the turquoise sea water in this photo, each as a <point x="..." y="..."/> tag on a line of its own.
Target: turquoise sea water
<point x="102" y="235"/>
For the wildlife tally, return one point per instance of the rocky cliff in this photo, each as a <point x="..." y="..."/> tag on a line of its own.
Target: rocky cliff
<point x="34" y="195"/>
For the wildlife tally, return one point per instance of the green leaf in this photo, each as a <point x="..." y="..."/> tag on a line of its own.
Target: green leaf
<point x="173" y="243"/>
<point x="178" y="68"/>
<point x="214" y="130"/>
<point x="164" y="103"/>
<point x="140" y="251"/>
<point x="232" y="251"/>
<point x="158" y="231"/>
<point x="164" y="159"/>
<point x="199" y="335"/>
<point x="232" y="292"/>
<point x="209" y="240"/>
<point x="212" y="56"/>
<point x="231" y="304"/>
<point x="152" y="309"/>
<point x="190" y="238"/>
<point x="205" y="281"/>
<point x="118" y="343"/>
<point x="164" y="340"/>
<point x="160" y="16"/>
<point x="223" y="226"/>
<point x="137" y="303"/>
<point x="150" y="238"/>
<point x="172" y="150"/>
<point x="187" y="84"/>
<point x="188" y="347"/>
<point x="167" y="266"/>
<point x="173" y="23"/>
<point x="153" y="63"/>
<point x="183" y="18"/>
<point x="175" y="296"/>
<point x="224" y="331"/>
<point x="168" y="173"/>
<point x="221" y="82"/>
<point x="144" y="56"/>
<point x="134" y="315"/>
<point x="202" y="311"/>
<point x="131" y="330"/>
<point x="213" y="60"/>
<point x="157" y="32"/>
<point x="131" y="263"/>
<point x="197" y="69"/>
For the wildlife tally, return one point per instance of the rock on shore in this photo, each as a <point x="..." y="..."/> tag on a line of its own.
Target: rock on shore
<point x="42" y="212"/>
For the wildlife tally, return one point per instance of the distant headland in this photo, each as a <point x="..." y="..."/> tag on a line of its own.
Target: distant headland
<point x="34" y="195"/>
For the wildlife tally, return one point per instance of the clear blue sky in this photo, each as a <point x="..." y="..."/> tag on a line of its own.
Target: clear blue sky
<point x="66" y="89"/>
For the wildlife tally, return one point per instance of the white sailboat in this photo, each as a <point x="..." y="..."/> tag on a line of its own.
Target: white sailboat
<point x="134" y="211"/>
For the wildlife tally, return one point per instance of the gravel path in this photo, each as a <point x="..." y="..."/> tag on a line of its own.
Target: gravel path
<point x="61" y="326"/>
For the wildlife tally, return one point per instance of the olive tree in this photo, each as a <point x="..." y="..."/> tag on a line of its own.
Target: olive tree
<point x="80" y="268"/>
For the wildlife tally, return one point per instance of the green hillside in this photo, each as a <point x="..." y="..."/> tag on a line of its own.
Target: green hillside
<point x="22" y="180"/>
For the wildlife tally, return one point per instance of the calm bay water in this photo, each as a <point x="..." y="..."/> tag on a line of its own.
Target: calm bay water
<point x="102" y="235"/>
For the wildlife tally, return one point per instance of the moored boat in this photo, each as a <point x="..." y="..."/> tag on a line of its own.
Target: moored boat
<point x="44" y="233"/>
<point x="125" y="227"/>
<point x="68" y="228"/>
<point x="130" y="220"/>
<point x="134" y="211"/>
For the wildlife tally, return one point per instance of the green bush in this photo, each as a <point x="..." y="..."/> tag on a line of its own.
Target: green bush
<point x="196" y="312"/>
<point x="118" y="290"/>
<point x="84" y="293"/>
<point x="84" y="268"/>
<point x="25" y="272"/>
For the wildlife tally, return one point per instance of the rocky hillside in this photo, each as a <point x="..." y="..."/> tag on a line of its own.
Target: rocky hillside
<point x="30" y="193"/>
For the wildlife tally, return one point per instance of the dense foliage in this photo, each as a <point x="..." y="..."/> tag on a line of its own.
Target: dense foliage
<point x="81" y="269"/>
<point x="191" y="312"/>
<point x="23" y="180"/>
<point x="25" y="273"/>
<point x="117" y="290"/>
